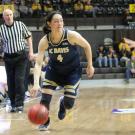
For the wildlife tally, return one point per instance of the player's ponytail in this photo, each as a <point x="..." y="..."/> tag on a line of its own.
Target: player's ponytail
<point x="46" y="29"/>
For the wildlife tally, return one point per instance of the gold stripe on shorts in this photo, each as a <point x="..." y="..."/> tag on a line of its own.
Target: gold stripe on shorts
<point x="72" y="86"/>
<point x="48" y="82"/>
<point x="47" y="91"/>
<point x="70" y="90"/>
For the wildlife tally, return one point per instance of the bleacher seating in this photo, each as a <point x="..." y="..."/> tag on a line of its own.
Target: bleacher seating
<point x="101" y="7"/>
<point x="104" y="73"/>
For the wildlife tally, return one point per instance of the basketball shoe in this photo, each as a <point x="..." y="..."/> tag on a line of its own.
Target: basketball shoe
<point x="12" y="110"/>
<point x="62" y="110"/>
<point x="45" y="126"/>
<point x="19" y="109"/>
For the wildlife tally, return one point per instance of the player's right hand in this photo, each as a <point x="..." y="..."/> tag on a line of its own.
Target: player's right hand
<point x="34" y="91"/>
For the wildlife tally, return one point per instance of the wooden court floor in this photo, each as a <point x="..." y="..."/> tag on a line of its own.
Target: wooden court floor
<point x="92" y="115"/>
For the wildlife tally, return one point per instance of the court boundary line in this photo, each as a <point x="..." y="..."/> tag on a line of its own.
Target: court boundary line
<point x="27" y="101"/>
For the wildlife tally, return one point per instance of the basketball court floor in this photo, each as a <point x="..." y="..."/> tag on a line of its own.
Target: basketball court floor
<point x="103" y="107"/>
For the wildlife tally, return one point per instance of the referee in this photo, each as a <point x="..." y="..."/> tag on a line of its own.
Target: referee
<point x="14" y="35"/>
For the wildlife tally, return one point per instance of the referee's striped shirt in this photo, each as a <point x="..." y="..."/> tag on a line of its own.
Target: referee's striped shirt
<point x="13" y="37"/>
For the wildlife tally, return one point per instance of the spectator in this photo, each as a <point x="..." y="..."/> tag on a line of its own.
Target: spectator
<point x="127" y="17"/>
<point x="47" y="7"/>
<point x="78" y="8"/>
<point x="37" y="9"/>
<point x="88" y="8"/>
<point x="124" y="53"/>
<point x="112" y="57"/>
<point x="66" y="7"/>
<point x="101" y="59"/>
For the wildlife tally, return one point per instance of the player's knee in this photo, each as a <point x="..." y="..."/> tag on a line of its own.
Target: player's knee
<point x="46" y="99"/>
<point x="68" y="102"/>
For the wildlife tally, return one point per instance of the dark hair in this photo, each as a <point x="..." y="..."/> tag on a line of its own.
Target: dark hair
<point x="48" y="18"/>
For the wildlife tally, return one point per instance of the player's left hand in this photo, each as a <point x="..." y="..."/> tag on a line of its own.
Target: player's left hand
<point x="90" y="71"/>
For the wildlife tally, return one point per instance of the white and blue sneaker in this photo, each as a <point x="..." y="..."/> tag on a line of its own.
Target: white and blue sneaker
<point x="45" y="126"/>
<point x="19" y="109"/>
<point x="62" y="110"/>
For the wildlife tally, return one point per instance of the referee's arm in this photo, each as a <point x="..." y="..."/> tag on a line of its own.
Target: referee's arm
<point x="29" y="43"/>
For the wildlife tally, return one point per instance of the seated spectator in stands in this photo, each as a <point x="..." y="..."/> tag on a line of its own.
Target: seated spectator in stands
<point x="36" y="8"/>
<point x="23" y="9"/>
<point x="101" y="59"/>
<point x="66" y="7"/>
<point x="122" y="42"/>
<point x="124" y="53"/>
<point x="16" y="11"/>
<point x="6" y="2"/>
<point x="88" y="8"/>
<point x="127" y="17"/>
<point x="78" y="8"/>
<point x="112" y="57"/>
<point x="47" y="7"/>
<point x="17" y="2"/>
<point x="100" y="10"/>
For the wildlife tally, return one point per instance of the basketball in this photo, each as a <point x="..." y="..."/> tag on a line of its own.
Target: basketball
<point x="38" y="114"/>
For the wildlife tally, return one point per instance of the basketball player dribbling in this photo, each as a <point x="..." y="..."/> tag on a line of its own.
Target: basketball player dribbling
<point x="63" y="68"/>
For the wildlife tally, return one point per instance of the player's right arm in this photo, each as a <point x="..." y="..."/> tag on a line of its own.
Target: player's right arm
<point x="43" y="45"/>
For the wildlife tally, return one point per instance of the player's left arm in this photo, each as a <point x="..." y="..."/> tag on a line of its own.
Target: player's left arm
<point x="76" y="39"/>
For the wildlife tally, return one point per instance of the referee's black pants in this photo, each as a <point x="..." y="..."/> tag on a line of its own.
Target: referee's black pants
<point x="15" y="65"/>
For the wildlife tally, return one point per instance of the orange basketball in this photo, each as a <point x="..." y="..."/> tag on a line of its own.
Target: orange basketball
<point x="38" y="114"/>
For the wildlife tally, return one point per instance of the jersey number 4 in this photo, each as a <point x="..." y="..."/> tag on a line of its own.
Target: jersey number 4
<point x="60" y="58"/>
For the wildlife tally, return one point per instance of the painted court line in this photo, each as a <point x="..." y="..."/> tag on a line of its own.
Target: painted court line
<point x="123" y="110"/>
<point x="129" y="99"/>
<point x="27" y="101"/>
<point x="11" y="119"/>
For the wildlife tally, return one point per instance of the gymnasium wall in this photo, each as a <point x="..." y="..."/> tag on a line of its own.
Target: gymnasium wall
<point x="94" y="37"/>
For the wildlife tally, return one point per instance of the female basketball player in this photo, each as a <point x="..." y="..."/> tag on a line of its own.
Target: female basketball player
<point x="64" y="65"/>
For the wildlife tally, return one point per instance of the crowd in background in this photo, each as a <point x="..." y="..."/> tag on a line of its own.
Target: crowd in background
<point x="121" y="55"/>
<point x="79" y="8"/>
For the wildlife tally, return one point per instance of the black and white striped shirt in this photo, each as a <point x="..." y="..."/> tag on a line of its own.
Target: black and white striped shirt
<point x="13" y="37"/>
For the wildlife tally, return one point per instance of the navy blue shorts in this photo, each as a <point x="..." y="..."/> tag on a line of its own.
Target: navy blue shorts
<point x="69" y="82"/>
